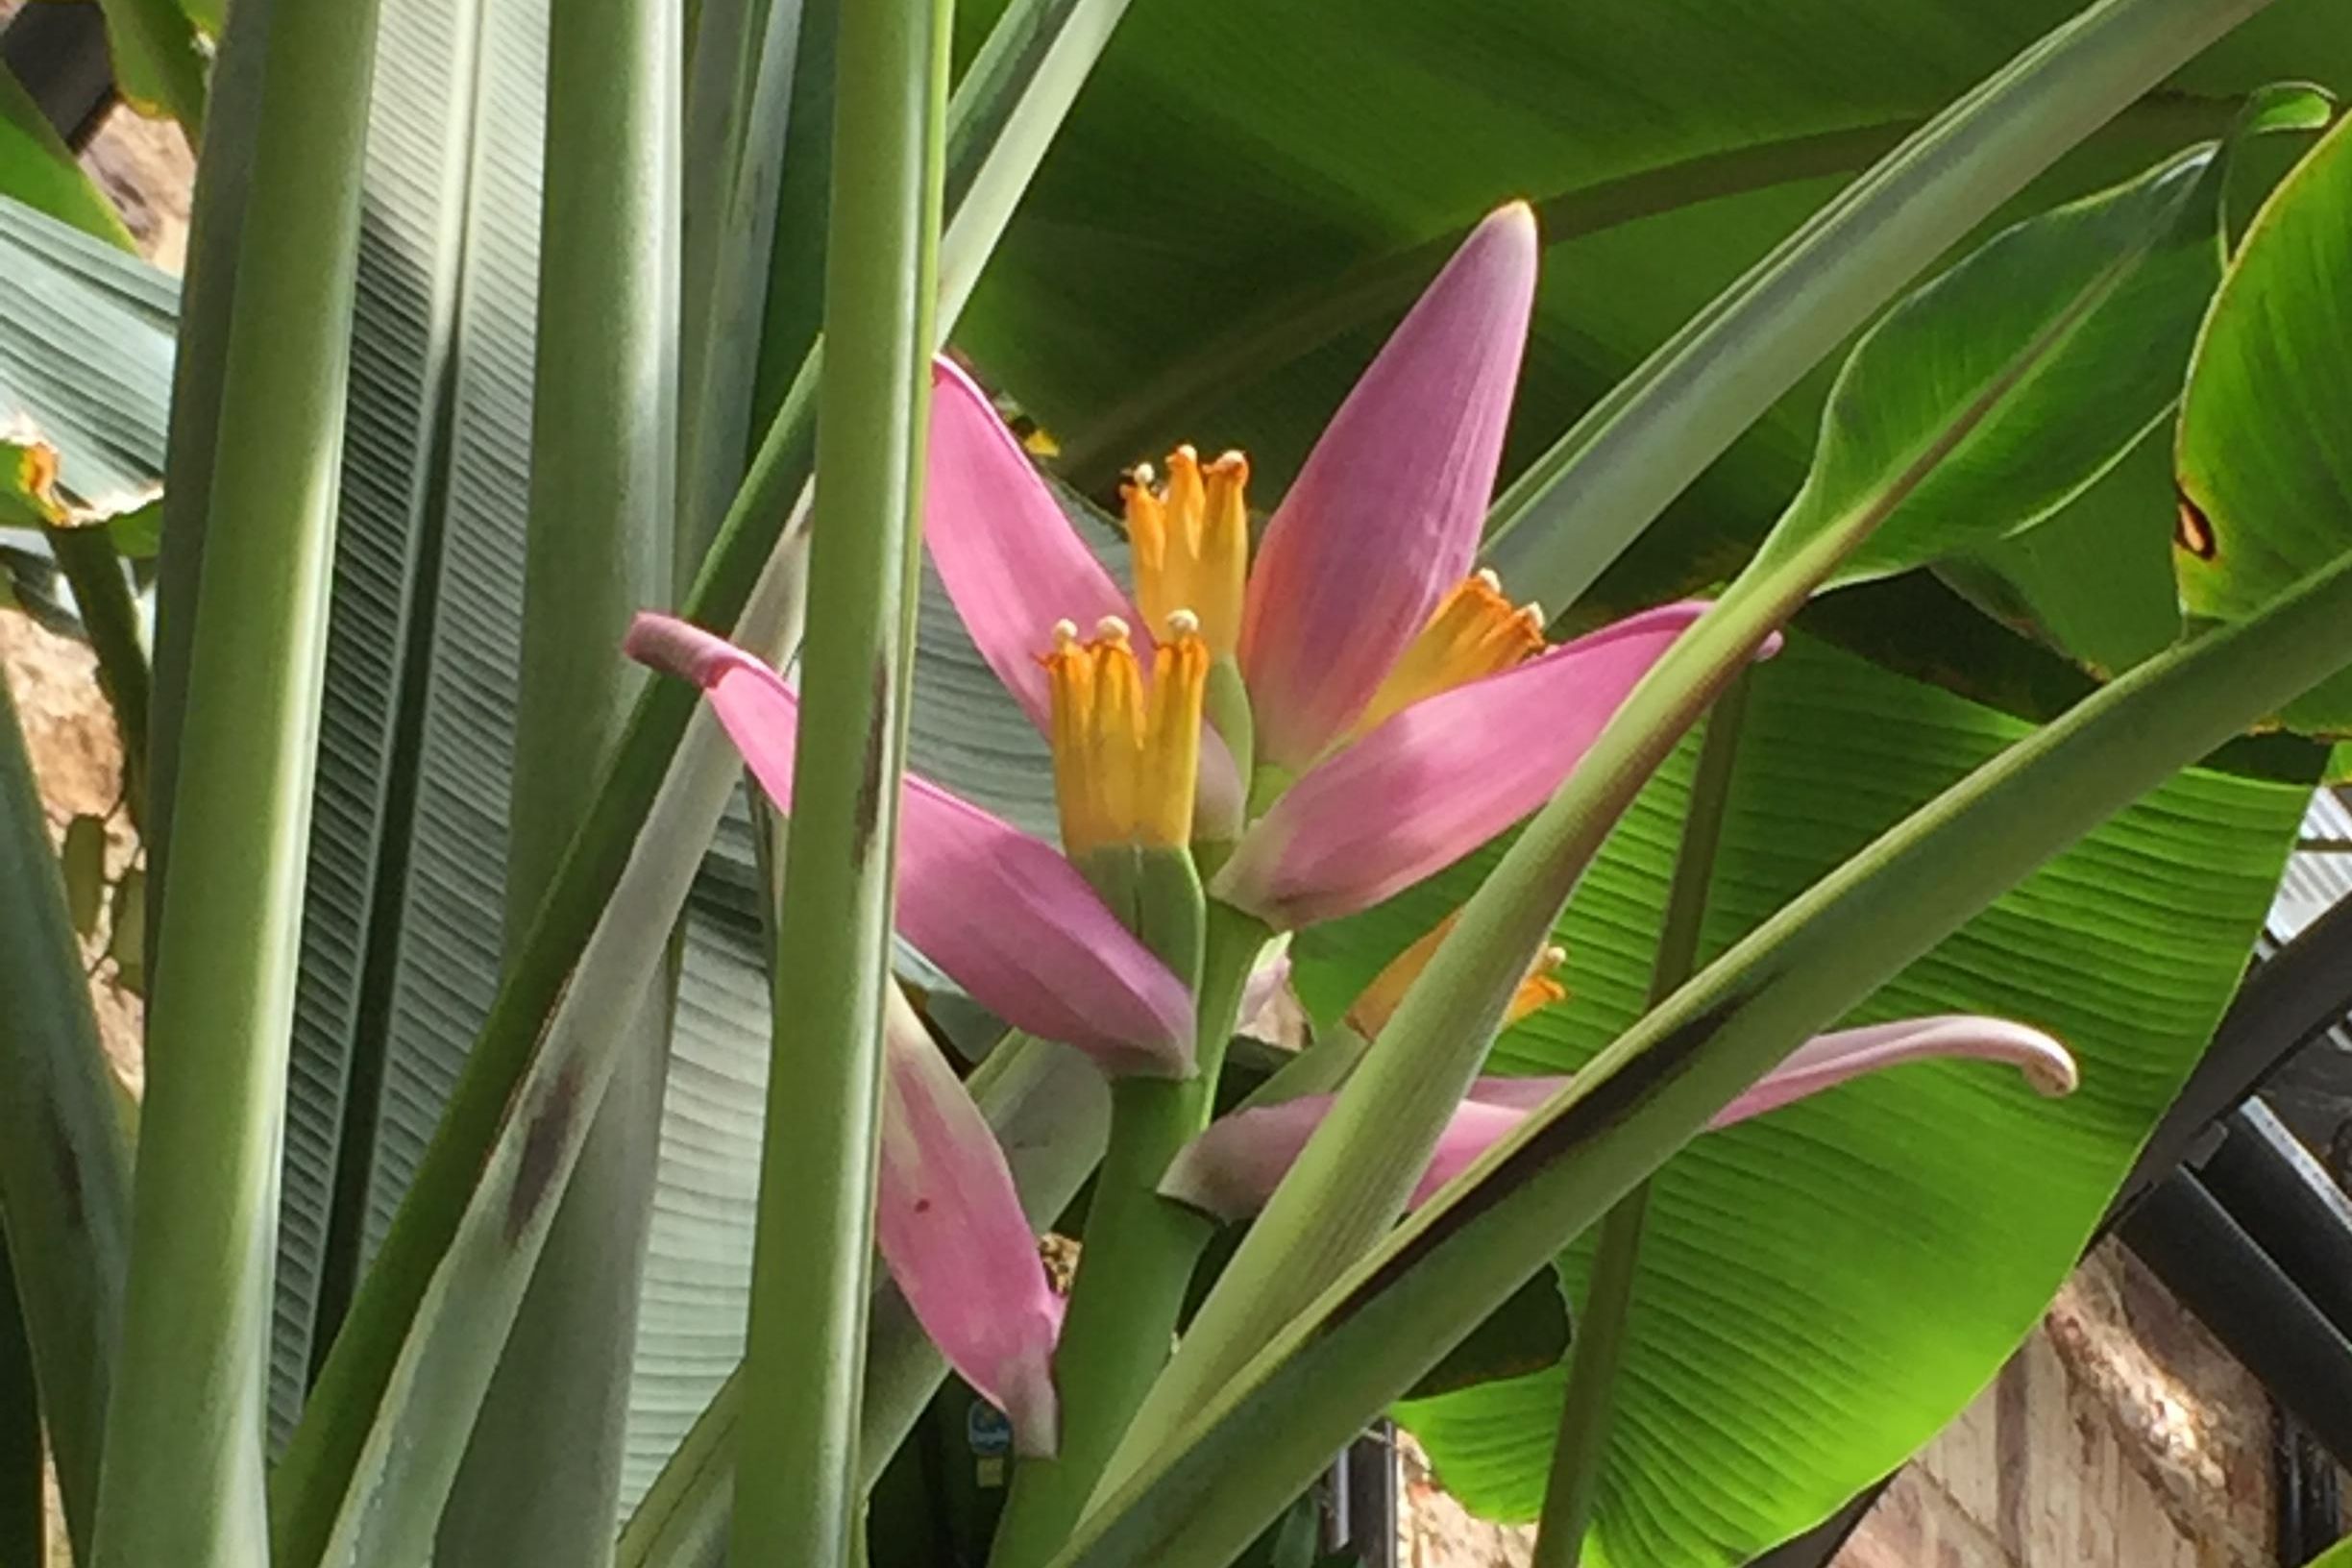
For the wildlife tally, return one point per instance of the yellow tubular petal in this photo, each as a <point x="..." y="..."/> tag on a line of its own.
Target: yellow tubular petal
<point x="1224" y="555"/>
<point x="1192" y="544"/>
<point x="1069" y="671"/>
<point x="1187" y="496"/>
<point x="1539" y="990"/>
<point x="1170" y="763"/>
<point x="1369" y="1013"/>
<point x="1475" y="633"/>
<point x="1148" y="539"/>
<point x="1117" y="732"/>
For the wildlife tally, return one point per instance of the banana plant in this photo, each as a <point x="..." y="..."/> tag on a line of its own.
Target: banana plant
<point x="701" y="790"/>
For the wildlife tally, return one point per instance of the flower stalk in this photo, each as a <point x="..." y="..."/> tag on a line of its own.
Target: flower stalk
<point x="1140" y="1254"/>
<point x="796" y="1497"/>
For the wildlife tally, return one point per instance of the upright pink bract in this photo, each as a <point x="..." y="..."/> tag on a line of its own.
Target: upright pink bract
<point x="1383" y="517"/>
<point x="1440" y="779"/>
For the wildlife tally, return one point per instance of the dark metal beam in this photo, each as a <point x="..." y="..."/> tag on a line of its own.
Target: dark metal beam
<point x="58" y="49"/>
<point x="2290" y="998"/>
<point x="2288" y="1204"/>
<point x="2239" y="1292"/>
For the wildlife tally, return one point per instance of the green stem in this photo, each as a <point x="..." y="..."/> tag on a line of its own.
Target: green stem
<point x="65" y="1171"/>
<point x="598" y="548"/>
<point x="1589" y="1406"/>
<point x="86" y="556"/>
<point x="199" y="355"/>
<point x="183" y="1476"/>
<point x="1140" y="1254"/>
<point x="797" y="1495"/>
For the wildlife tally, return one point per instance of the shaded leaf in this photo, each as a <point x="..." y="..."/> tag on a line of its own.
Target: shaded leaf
<point x="2095" y="579"/>
<point x="127" y="945"/>
<point x="82" y="859"/>
<point x="2264" y="469"/>
<point x="1523" y="1335"/>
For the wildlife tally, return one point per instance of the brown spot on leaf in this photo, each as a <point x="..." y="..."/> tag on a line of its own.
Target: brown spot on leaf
<point x="870" y="777"/>
<point x="2193" y="530"/>
<point x="542" y="1149"/>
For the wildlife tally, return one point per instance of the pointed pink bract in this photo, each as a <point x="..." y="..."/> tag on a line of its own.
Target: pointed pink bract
<point x="1001" y="912"/>
<point x="950" y="1224"/>
<point x="1826" y="1061"/>
<point x="1383" y="517"/>
<point x="1004" y="549"/>
<point x="1439" y="778"/>
<point x="1233" y="1169"/>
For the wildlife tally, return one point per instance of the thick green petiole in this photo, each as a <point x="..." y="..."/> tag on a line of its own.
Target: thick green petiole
<point x="1140" y="1251"/>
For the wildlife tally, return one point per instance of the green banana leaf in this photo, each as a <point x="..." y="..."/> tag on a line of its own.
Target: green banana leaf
<point x="1822" y="1289"/>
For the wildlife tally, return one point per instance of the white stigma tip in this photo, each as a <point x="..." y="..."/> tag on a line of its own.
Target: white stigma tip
<point x="1182" y="624"/>
<point x="1487" y="576"/>
<point x="1142" y="474"/>
<point x="1552" y="958"/>
<point x="1111" y="626"/>
<point x="1532" y="612"/>
<point x="1065" y="633"/>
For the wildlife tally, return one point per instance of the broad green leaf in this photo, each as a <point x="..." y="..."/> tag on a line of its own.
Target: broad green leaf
<point x="2263" y="468"/>
<point x="1818" y="1291"/>
<point x="1654" y="1088"/>
<point x="86" y="356"/>
<point x="38" y="169"/>
<point x="65" y="1171"/>
<point x="2021" y="375"/>
<point x="2095" y="579"/>
<point x="403" y="925"/>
